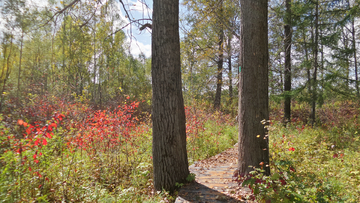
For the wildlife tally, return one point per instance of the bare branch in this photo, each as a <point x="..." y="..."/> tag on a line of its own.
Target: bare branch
<point x="62" y="10"/>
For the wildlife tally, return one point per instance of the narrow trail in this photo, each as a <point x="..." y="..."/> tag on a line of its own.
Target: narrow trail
<point x="214" y="181"/>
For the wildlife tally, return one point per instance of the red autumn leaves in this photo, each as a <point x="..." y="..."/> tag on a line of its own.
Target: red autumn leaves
<point x="98" y="127"/>
<point x="36" y="136"/>
<point x="110" y="127"/>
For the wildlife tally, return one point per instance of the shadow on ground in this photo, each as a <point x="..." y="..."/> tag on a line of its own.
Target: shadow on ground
<point x="214" y="181"/>
<point x="196" y="192"/>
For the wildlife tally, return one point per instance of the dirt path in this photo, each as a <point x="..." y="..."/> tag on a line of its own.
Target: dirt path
<point x="214" y="181"/>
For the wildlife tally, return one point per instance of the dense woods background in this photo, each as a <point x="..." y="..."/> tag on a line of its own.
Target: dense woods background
<point x="82" y="52"/>
<point x="73" y="98"/>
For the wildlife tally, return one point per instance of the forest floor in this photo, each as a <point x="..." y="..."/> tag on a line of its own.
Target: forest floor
<point x="214" y="181"/>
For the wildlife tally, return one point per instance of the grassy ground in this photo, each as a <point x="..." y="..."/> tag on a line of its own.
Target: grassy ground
<point x="70" y="153"/>
<point x="52" y="151"/>
<point x="313" y="164"/>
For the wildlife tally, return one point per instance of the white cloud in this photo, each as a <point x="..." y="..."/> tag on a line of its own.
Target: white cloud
<point x="142" y="8"/>
<point x="140" y="41"/>
<point x="38" y="3"/>
<point x="136" y="48"/>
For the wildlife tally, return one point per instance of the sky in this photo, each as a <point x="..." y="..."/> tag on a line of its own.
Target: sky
<point x="140" y="41"/>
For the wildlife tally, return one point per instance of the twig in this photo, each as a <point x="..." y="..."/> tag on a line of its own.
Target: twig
<point x="61" y="11"/>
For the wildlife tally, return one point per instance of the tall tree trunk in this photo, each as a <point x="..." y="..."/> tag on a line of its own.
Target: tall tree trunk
<point x="191" y="53"/>
<point x="322" y="63"/>
<point x="99" y="87"/>
<point x="5" y="73"/>
<point x="281" y="72"/>
<point x="169" y="131"/>
<point x="253" y="87"/>
<point x="94" y="38"/>
<point x="346" y="61"/>
<point x="307" y="62"/>
<point x="219" y="82"/>
<point x="230" y="67"/>
<point x="63" y="52"/>
<point x="314" y="78"/>
<point x="20" y="59"/>
<point x="287" y="72"/>
<point x="355" y="59"/>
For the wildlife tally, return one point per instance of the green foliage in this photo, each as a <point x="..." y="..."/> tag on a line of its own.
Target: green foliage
<point x="191" y="177"/>
<point x="208" y="27"/>
<point x="311" y="164"/>
<point x="208" y="133"/>
<point x="79" y="54"/>
<point x="91" y="155"/>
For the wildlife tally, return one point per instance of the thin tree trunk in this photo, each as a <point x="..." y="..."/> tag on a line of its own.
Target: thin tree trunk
<point x="6" y="74"/>
<point x="287" y="72"/>
<point x="168" y="116"/>
<point x="281" y="75"/>
<point x="314" y="78"/>
<point x="191" y="65"/>
<point x="230" y="68"/>
<point x="52" y="71"/>
<point x="307" y="62"/>
<point x="94" y="38"/>
<point x="219" y="82"/>
<point x="355" y="57"/>
<point x="253" y="87"/>
<point x="99" y="87"/>
<point x="346" y="62"/>
<point x="63" y="50"/>
<point x="322" y="62"/>
<point x="20" y="59"/>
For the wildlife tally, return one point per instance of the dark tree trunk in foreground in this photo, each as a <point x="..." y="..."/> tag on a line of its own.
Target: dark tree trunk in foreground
<point x="287" y="72"/>
<point x="169" y="133"/>
<point x="253" y="87"/>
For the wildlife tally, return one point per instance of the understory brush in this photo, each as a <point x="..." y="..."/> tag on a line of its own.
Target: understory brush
<point x="308" y="164"/>
<point x="208" y="133"/>
<point x="68" y="152"/>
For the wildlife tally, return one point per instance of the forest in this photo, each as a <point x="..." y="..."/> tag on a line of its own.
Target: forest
<point x="85" y="118"/>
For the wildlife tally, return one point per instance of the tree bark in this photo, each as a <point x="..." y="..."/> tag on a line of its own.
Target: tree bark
<point x="20" y="59"/>
<point x="5" y="73"/>
<point x="219" y="82"/>
<point x="230" y="67"/>
<point x="307" y="62"/>
<point x="314" y="78"/>
<point x="253" y="87"/>
<point x="353" y="33"/>
<point x="169" y="131"/>
<point x="94" y="38"/>
<point x="287" y="72"/>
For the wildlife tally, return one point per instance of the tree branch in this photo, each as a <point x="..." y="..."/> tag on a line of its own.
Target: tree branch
<point x="62" y="10"/>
